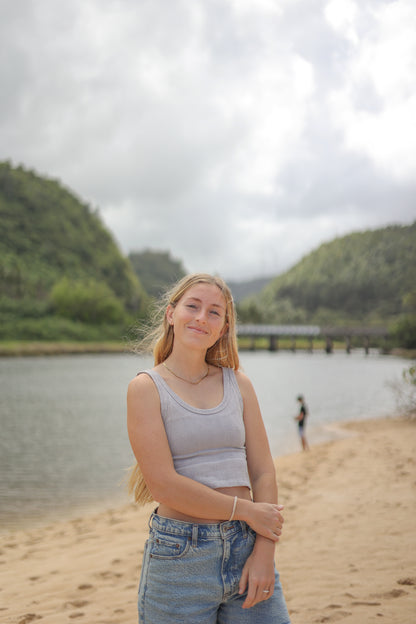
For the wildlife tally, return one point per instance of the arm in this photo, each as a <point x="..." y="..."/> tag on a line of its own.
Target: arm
<point x="150" y="445"/>
<point x="258" y="572"/>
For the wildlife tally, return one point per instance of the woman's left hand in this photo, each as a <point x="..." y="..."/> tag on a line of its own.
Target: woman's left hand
<point x="258" y="576"/>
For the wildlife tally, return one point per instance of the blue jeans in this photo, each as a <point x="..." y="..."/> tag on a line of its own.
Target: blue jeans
<point x="190" y="575"/>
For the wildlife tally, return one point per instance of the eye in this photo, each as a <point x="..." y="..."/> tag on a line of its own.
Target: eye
<point x="191" y="305"/>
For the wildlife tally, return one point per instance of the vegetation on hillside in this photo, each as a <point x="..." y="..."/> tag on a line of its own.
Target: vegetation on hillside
<point x="242" y="290"/>
<point x="365" y="277"/>
<point x="60" y="268"/>
<point x="62" y="276"/>
<point x="157" y="270"/>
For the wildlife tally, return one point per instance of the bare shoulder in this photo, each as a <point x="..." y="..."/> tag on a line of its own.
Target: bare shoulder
<point x="244" y="383"/>
<point x="142" y="388"/>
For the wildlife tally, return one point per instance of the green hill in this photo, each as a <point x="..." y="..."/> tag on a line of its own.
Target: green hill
<point x="58" y="261"/>
<point x="365" y="277"/>
<point x="156" y="270"/>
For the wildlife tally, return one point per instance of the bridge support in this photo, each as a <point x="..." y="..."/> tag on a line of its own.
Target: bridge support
<point x="329" y="347"/>
<point x="348" y="344"/>
<point x="273" y="343"/>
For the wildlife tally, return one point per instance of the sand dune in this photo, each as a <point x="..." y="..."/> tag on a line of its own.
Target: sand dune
<point x="348" y="553"/>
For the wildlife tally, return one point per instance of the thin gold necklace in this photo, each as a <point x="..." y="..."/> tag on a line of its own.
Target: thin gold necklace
<point x="187" y="380"/>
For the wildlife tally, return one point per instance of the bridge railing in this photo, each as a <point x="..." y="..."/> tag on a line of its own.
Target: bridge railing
<point x="328" y="334"/>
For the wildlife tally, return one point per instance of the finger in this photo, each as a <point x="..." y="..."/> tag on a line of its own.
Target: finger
<point x="260" y="596"/>
<point x="250" y="600"/>
<point x="243" y="581"/>
<point x="279" y="519"/>
<point x="267" y="593"/>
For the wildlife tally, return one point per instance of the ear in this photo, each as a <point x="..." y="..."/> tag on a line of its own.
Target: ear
<point x="169" y="314"/>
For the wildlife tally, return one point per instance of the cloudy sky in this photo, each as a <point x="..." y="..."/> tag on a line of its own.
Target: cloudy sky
<point x="237" y="134"/>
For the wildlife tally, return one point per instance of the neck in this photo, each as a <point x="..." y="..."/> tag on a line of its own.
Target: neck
<point x="187" y="361"/>
<point x="195" y="381"/>
<point x="183" y="371"/>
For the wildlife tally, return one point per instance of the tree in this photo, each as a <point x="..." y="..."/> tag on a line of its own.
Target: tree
<point x="86" y="300"/>
<point x="156" y="270"/>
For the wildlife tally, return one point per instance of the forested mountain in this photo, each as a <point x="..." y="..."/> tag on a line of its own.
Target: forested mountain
<point x="241" y="290"/>
<point x="56" y="256"/>
<point x="363" y="277"/>
<point x="157" y="270"/>
<point x="62" y="275"/>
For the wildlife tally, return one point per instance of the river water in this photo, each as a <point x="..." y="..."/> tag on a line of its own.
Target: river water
<point x="64" y="447"/>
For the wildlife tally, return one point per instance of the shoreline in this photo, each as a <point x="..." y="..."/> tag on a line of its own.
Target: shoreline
<point x="347" y="553"/>
<point x="320" y="434"/>
<point x="38" y="348"/>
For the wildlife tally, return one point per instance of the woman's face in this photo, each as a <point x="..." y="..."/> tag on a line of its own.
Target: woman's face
<point x="198" y="318"/>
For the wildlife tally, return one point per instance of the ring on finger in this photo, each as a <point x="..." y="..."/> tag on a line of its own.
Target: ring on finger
<point x="266" y="591"/>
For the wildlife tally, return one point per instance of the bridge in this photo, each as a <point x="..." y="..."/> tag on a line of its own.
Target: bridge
<point x="311" y="332"/>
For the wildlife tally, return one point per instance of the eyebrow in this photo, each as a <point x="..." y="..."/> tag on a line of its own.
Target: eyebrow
<point x="214" y="305"/>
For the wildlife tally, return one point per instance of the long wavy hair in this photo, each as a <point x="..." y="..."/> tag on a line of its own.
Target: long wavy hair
<point x="159" y="339"/>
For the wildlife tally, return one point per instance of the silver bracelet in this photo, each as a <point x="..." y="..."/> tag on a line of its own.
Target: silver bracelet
<point x="234" y="506"/>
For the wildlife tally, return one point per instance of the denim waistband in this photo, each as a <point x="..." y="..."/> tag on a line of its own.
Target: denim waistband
<point x="210" y="530"/>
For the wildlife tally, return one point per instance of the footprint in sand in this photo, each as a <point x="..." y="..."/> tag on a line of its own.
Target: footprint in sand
<point x="85" y="586"/>
<point x="334" y="617"/>
<point x="76" y="603"/>
<point x="109" y="575"/>
<point x="29" y="617"/>
<point x="394" y="593"/>
<point x="407" y="581"/>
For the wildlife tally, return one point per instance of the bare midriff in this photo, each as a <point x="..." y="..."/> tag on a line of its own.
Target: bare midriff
<point x="174" y="514"/>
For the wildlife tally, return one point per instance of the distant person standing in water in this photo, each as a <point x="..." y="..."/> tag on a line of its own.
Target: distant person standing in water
<point x="301" y="418"/>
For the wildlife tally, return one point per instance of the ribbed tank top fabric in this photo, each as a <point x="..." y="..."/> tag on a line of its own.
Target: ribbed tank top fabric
<point x="207" y="445"/>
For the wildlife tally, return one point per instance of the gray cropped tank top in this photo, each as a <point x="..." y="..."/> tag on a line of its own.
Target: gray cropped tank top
<point x="207" y="445"/>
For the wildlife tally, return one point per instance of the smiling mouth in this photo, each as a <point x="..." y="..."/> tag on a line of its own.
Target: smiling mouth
<point x="198" y="329"/>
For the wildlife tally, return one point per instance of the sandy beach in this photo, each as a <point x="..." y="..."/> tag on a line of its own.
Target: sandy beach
<point x="348" y="552"/>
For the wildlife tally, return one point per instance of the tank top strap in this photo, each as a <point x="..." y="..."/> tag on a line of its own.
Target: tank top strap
<point x="159" y="383"/>
<point x="231" y="385"/>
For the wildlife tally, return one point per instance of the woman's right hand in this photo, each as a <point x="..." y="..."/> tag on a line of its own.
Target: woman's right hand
<point x="264" y="518"/>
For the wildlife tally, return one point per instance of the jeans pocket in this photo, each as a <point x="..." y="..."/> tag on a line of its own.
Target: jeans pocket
<point x="163" y="546"/>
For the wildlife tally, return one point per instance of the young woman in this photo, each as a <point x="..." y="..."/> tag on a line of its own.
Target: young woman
<point x="202" y="452"/>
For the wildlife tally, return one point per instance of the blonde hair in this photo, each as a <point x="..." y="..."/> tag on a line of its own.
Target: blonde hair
<point x="159" y="340"/>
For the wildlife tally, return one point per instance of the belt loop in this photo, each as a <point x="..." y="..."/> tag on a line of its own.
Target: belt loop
<point x="194" y="535"/>
<point x="149" y="522"/>
<point x="243" y="528"/>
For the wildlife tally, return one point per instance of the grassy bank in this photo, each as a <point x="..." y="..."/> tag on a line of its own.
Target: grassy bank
<point x="19" y="348"/>
<point x="245" y="343"/>
<point x="46" y="347"/>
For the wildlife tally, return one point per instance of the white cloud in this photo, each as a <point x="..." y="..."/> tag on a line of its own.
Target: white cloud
<point x="342" y="14"/>
<point x="385" y="63"/>
<point x="239" y="135"/>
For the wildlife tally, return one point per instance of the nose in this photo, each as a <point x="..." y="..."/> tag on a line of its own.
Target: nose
<point x="201" y="317"/>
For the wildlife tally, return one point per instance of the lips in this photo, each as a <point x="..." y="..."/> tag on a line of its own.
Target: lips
<point x="199" y="330"/>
